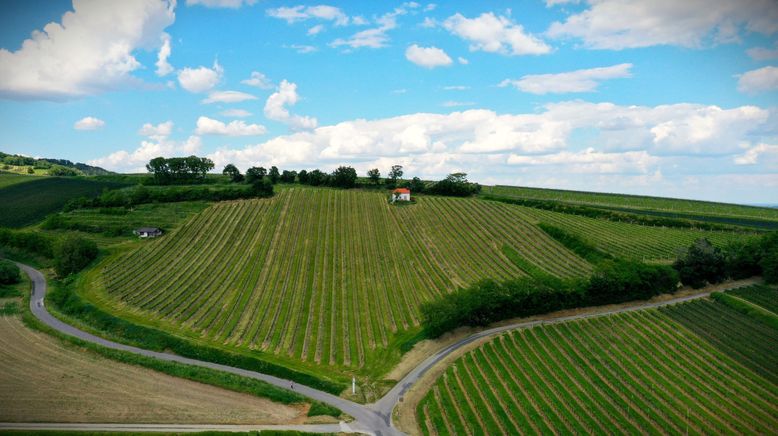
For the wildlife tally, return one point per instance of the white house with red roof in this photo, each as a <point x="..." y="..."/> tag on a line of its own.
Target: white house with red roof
<point x="401" y="194"/>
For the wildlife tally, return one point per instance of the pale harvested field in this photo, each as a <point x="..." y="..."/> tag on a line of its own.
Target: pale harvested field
<point x="43" y="380"/>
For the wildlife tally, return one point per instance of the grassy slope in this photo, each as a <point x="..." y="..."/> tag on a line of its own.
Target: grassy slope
<point x="637" y="202"/>
<point x="325" y="279"/>
<point x="8" y="179"/>
<point x="35" y="199"/>
<point x="699" y="366"/>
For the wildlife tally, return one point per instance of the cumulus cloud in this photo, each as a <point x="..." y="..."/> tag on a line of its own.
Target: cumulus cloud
<point x="590" y="161"/>
<point x="767" y="152"/>
<point x="163" y="67"/>
<point x="302" y="13"/>
<point x="759" y="80"/>
<point x="157" y="144"/>
<point x="200" y="79"/>
<point x="209" y="126"/>
<point x="276" y="107"/>
<point x="573" y="81"/>
<point x="258" y="80"/>
<point x="89" y="51"/>
<point x="230" y="4"/>
<point x="161" y="130"/>
<point x="427" y="57"/>
<point x="88" y="123"/>
<point x="620" y="24"/>
<point x="236" y="113"/>
<point x="227" y="97"/>
<point x="495" y="34"/>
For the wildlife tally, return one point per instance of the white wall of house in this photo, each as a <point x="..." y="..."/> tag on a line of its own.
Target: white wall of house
<point x="404" y="197"/>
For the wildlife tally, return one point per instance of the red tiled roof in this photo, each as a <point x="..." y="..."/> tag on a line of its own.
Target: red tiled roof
<point x="402" y="191"/>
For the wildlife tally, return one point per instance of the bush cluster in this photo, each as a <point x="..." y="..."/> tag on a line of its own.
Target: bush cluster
<point x="72" y="254"/>
<point x="490" y="301"/>
<point x="702" y="263"/>
<point x="30" y="242"/>
<point x="9" y="273"/>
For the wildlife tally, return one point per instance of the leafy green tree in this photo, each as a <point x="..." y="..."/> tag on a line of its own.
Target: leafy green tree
<point x="344" y="177"/>
<point x="769" y="260"/>
<point x="30" y="170"/>
<point x="233" y="172"/>
<point x="416" y="185"/>
<point x="72" y="254"/>
<point x="455" y="184"/>
<point x="288" y="176"/>
<point x="317" y="178"/>
<point x="700" y="264"/>
<point x="255" y="173"/>
<point x="9" y="273"/>
<point x="302" y="176"/>
<point x="374" y="175"/>
<point x="274" y="175"/>
<point x="395" y="174"/>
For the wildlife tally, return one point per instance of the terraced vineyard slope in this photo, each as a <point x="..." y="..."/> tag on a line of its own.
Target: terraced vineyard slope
<point x="332" y="277"/>
<point x="636" y="202"/>
<point x="699" y="367"/>
<point x="320" y="275"/>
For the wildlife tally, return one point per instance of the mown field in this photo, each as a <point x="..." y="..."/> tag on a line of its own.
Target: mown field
<point x="697" y="368"/>
<point x="332" y="277"/>
<point x="43" y="380"/>
<point x="692" y="207"/>
<point x="35" y="199"/>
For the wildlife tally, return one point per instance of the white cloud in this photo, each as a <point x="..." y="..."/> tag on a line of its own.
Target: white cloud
<point x="302" y="13"/>
<point x="89" y="51"/>
<point x="209" y="126"/>
<point x="452" y="103"/>
<point x="315" y="30"/>
<point x="159" y="145"/>
<point x="620" y="24"/>
<point x="429" y="23"/>
<point x="427" y="57"/>
<point x="550" y="3"/>
<point x="590" y="161"/>
<point x="161" y="130"/>
<point x="302" y="48"/>
<point x="573" y="81"/>
<point x="236" y="113"/>
<point x="200" y="79"/>
<point x="275" y="107"/>
<point x="759" y="80"/>
<point x="375" y="37"/>
<point x="227" y="97"/>
<point x="763" y="54"/>
<point x="456" y="88"/>
<point x="752" y="156"/>
<point x="258" y="80"/>
<point x="462" y="60"/>
<point x="495" y="34"/>
<point x="430" y="7"/>
<point x="230" y="4"/>
<point x="88" y="123"/>
<point x="163" y="67"/>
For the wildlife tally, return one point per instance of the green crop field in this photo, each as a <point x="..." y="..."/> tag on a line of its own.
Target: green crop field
<point x="763" y="296"/>
<point x="637" y="202"/>
<point x="8" y="179"/>
<point x="626" y="240"/>
<point x="698" y="367"/>
<point x="166" y="216"/>
<point x="35" y="199"/>
<point x="332" y="277"/>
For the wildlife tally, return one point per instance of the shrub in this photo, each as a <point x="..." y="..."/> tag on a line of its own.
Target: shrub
<point x="72" y="254"/>
<point x="456" y="185"/>
<point x="9" y="273"/>
<point x="700" y="264"/>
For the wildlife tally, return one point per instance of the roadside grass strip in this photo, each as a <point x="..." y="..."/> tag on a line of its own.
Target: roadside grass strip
<point x="698" y="367"/>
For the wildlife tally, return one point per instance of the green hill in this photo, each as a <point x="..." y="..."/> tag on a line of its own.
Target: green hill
<point x="37" y="197"/>
<point x="699" y="367"/>
<point x="334" y="278"/>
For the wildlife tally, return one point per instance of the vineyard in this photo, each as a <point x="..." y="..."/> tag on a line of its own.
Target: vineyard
<point x="697" y="367"/>
<point x="334" y="277"/>
<point x="763" y="296"/>
<point x="694" y="207"/>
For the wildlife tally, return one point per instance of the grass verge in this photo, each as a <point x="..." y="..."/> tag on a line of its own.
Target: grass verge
<point x="747" y="308"/>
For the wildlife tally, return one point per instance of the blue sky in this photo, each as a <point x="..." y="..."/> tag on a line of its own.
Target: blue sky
<point x="653" y="97"/>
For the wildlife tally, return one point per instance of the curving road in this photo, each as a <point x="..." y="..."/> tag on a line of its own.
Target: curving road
<point x="369" y="419"/>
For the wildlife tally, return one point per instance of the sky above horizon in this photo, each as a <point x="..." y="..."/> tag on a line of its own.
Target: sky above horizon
<point x="655" y="97"/>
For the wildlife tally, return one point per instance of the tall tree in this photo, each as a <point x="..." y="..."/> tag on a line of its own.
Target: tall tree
<point x="274" y="174"/>
<point x="255" y="173"/>
<point x="374" y="175"/>
<point x="233" y="172"/>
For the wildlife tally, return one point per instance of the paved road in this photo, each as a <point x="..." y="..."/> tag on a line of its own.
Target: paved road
<point x="369" y="419"/>
<point x="174" y="428"/>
